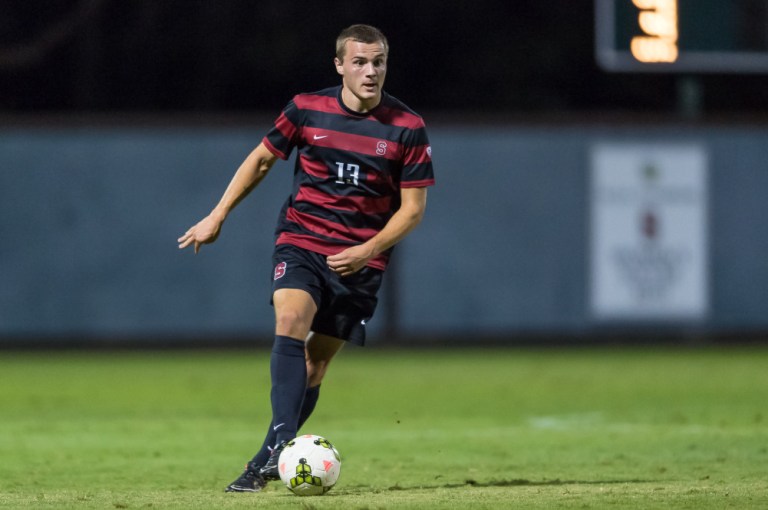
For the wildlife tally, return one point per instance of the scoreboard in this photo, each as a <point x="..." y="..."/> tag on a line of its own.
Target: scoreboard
<point x="682" y="36"/>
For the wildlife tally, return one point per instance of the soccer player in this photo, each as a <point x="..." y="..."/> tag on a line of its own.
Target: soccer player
<point x="362" y="170"/>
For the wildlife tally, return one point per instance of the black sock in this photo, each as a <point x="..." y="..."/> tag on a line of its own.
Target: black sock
<point x="288" y="369"/>
<point x="310" y="400"/>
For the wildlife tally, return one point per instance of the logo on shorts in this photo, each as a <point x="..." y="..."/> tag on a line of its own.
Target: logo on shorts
<point x="280" y="270"/>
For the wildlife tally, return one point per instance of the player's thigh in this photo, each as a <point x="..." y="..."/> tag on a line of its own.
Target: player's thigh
<point x="294" y="311"/>
<point x="323" y="347"/>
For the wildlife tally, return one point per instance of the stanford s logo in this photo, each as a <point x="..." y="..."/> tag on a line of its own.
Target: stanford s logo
<point x="381" y="148"/>
<point x="280" y="270"/>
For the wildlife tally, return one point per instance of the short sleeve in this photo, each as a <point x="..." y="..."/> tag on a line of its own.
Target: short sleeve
<point x="283" y="136"/>
<point x="417" y="160"/>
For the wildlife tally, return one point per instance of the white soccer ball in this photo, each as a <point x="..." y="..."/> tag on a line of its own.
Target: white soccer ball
<point x="309" y="465"/>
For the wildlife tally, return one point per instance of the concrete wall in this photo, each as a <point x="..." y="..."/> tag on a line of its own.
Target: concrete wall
<point x="89" y="216"/>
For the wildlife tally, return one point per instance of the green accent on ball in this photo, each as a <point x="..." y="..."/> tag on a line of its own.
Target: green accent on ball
<point x="304" y="476"/>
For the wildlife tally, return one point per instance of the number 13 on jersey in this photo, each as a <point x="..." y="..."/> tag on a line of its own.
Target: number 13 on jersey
<point x="347" y="173"/>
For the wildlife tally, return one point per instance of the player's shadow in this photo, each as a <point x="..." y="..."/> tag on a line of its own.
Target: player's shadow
<point x="519" y="482"/>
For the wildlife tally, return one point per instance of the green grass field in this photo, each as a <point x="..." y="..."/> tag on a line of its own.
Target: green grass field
<point x="453" y="429"/>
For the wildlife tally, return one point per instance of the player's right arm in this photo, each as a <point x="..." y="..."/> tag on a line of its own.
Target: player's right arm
<point x="246" y="178"/>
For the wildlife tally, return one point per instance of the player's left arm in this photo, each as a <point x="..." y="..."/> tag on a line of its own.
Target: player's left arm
<point x="413" y="203"/>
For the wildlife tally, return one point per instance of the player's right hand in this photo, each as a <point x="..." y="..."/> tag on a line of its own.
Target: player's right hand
<point x="205" y="232"/>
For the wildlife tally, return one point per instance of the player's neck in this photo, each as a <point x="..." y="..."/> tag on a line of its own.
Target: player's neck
<point x="358" y="104"/>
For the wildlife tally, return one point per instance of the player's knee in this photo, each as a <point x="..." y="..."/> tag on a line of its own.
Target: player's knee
<point x="316" y="371"/>
<point x="290" y="322"/>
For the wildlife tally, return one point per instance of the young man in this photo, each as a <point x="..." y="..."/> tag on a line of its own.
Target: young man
<point x="360" y="186"/>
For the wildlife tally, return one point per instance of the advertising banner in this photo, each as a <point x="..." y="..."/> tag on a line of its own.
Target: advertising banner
<point x="648" y="235"/>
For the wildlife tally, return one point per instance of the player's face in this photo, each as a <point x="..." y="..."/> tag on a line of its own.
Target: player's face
<point x="363" y="71"/>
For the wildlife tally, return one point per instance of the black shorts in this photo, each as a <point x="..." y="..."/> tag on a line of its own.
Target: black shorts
<point x="344" y="304"/>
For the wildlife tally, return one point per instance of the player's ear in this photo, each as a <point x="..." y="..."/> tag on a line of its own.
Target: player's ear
<point x="339" y="66"/>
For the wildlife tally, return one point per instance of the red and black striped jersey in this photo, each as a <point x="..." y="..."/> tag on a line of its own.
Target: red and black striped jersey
<point x="349" y="169"/>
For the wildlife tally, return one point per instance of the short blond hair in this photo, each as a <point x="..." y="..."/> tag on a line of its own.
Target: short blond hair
<point x="361" y="33"/>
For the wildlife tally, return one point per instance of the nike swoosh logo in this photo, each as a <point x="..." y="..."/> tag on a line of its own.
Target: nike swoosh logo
<point x="319" y="137"/>
<point x="277" y="426"/>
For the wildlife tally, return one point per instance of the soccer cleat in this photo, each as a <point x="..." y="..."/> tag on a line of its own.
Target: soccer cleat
<point x="250" y="481"/>
<point x="270" y="470"/>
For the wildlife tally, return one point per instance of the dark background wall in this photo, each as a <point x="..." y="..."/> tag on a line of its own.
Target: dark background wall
<point x="89" y="218"/>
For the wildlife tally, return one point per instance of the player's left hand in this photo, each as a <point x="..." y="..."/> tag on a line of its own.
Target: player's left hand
<point x="350" y="261"/>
